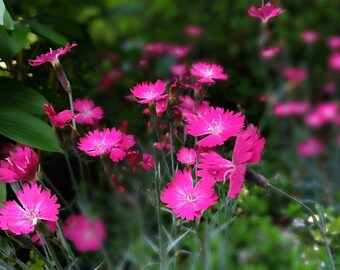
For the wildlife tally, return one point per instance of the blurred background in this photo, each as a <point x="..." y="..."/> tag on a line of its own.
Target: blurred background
<point x="291" y="93"/>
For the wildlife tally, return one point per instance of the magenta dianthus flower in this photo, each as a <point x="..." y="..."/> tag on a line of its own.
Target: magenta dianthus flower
<point x="85" y="234"/>
<point x="97" y="143"/>
<point x="218" y="124"/>
<point x="21" y="165"/>
<point x="52" y="56"/>
<point x="186" y="156"/>
<point x="185" y="199"/>
<point x="311" y="147"/>
<point x="207" y="73"/>
<point x="265" y="12"/>
<point x="59" y="120"/>
<point x="149" y="92"/>
<point x="37" y="204"/>
<point x="247" y="150"/>
<point x="148" y="162"/>
<point x="87" y="112"/>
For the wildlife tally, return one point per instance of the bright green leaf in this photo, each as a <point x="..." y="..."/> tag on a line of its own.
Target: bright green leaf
<point x="27" y="129"/>
<point x="17" y="95"/>
<point x="11" y="44"/>
<point x="2" y="12"/>
<point x="48" y="33"/>
<point x="8" y="22"/>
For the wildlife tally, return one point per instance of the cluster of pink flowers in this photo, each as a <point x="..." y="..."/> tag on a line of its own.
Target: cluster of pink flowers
<point x="86" y="113"/>
<point x="35" y="203"/>
<point x="86" y="234"/>
<point x="211" y="126"/>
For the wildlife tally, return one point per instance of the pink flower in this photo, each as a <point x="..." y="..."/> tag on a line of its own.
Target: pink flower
<point x="247" y="150"/>
<point x="333" y="42"/>
<point x="155" y="49"/>
<point x="208" y="72"/>
<point x="120" y="149"/>
<point x="194" y="30"/>
<point x="291" y="108"/>
<point x="109" y="78"/>
<point x="309" y="36"/>
<point x="85" y="234"/>
<point x="334" y="61"/>
<point x="132" y="157"/>
<point x="186" y="156"/>
<point x="294" y="75"/>
<point x="311" y="147"/>
<point x="178" y="51"/>
<point x="37" y="204"/>
<point x="162" y="105"/>
<point x="270" y="52"/>
<point x="149" y="92"/>
<point x="87" y="112"/>
<point x="148" y="162"/>
<point x="185" y="199"/>
<point x="21" y="165"/>
<point x="52" y="56"/>
<point x="97" y="143"/>
<point x="329" y="87"/>
<point x="323" y="113"/>
<point x="59" y="120"/>
<point x="179" y="70"/>
<point x="217" y="124"/>
<point x="265" y="12"/>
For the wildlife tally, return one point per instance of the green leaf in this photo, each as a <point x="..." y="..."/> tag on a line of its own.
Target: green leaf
<point x="8" y="22"/>
<point x="2" y="12"/>
<point x="11" y="44"/>
<point x="3" y="193"/>
<point x="17" y="95"/>
<point x="48" y="33"/>
<point x="27" y="129"/>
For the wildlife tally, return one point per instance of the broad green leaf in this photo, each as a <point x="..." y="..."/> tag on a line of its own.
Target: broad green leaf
<point x="3" y="193"/>
<point x="19" y="37"/>
<point x="11" y="44"/>
<point x="2" y="12"/>
<point x="27" y="129"/>
<point x="8" y="22"/>
<point x="17" y="95"/>
<point x="48" y="33"/>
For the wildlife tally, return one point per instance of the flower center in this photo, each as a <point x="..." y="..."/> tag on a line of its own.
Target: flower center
<point x="32" y="215"/>
<point x="150" y="95"/>
<point x="215" y="127"/>
<point x="190" y="198"/>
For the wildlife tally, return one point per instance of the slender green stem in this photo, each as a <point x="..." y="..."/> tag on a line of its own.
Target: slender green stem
<point x="315" y="221"/>
<point x="172" y="151"/>
<point x="70" y="98"/>
<point x="65" y="246"/>
<point x="51" y="251"/>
